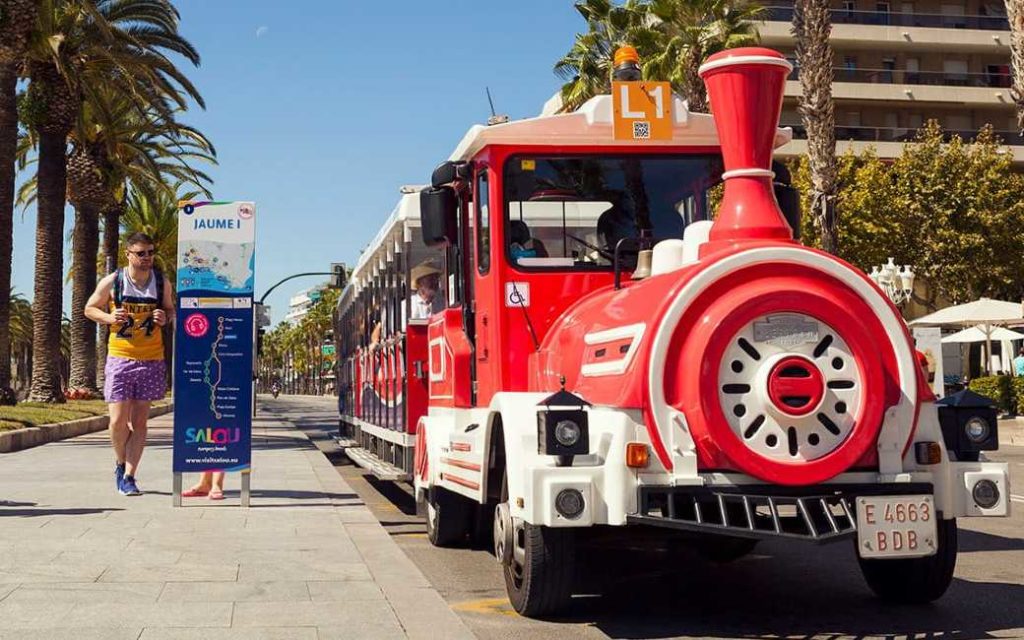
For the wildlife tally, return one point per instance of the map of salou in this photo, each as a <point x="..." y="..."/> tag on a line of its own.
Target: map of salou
<point x="216" y="266"/>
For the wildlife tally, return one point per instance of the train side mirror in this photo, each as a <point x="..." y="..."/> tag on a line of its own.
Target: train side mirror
<point x="439" y="211"/>
<point x="450" y="171"/>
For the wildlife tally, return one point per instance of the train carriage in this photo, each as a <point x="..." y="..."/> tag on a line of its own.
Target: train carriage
<point x="607" y="356"/>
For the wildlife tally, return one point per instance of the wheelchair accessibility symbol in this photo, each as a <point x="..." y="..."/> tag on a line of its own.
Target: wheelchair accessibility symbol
<point x="517" y="294"/>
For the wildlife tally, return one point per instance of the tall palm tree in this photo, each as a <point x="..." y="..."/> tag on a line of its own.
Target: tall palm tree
<point x="812" y="25"/>
<point x="1015" y="13"/>
<point x="691" y="31"/>
<point x="116" y="143"/>
<point x="17" y="17"/>
<point x="587" y="67"/>
<point x="80" y="46"/>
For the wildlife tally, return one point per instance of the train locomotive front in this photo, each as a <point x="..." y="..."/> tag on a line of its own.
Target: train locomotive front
<point x="746" y="388"/>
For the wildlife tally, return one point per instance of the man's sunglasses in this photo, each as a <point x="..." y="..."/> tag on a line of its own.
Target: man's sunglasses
<point x="144" y="254"/>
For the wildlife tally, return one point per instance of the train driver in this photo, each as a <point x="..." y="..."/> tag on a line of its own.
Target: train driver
<point x="426" y="298"/>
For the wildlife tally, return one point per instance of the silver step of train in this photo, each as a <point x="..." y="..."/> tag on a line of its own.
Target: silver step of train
<point x="367" y="460"/>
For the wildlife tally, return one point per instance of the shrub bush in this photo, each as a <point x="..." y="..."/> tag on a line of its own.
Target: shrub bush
<point x="1002" y="389"/>
<point x="1018" y="395"/>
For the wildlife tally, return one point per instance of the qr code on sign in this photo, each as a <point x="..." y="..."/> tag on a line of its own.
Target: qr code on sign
<point x="641" y="130"/>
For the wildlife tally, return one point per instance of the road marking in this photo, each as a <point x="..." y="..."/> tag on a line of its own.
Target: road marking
<point x="1016" y="498"/>
<point x="489" y="606"/>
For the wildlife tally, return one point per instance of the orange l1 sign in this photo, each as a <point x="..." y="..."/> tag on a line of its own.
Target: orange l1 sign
<point x="642" y="110"/>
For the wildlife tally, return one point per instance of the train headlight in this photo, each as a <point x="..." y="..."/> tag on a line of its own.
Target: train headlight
<point x="563" y="433"/>
<point x="985" y="494"/>
<point x="569" y="503"/>
<point x="567" y="433"/>
<point x="976" y="429"/>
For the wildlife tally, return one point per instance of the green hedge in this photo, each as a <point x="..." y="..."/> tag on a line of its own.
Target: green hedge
<point x="1008" y="392"/>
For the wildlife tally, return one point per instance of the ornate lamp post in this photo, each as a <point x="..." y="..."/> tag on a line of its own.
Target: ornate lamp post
<point x="897" y="281"/>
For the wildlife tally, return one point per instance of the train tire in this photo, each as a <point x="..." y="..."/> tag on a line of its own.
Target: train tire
<point x="915" y="580"/>
<point x="447" y="517"/>
<point x="538" y="563"/>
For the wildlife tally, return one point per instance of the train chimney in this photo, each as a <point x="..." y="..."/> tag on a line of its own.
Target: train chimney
<point x="745" y="87"/>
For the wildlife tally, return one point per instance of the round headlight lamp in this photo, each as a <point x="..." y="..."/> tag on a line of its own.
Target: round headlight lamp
<point x="569" y="503"/>
<point x="567" y="433"/>
<point x="985" y="494"/>
<point x="976" y="429"/>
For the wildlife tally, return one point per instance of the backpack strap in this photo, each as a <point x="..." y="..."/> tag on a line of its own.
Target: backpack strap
<point x="159" y="288"/>
<point x="117" y="292"/>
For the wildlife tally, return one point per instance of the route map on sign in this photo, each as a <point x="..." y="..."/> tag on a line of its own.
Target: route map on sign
<point x="216" y="266"/>
<point x="208" y="366"/>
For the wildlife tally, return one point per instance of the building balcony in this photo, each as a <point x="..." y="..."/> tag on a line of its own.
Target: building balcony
<point x="782" y="12"/>
<point x="929" y="78"/>
<point x="888" y="142"/>
<point x="865" y="30"/>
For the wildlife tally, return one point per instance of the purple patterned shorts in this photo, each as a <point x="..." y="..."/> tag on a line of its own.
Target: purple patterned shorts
<point x="134" y="379"/>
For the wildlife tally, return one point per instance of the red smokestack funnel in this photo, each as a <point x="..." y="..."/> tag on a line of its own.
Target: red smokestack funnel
<point x="745" y="88"/>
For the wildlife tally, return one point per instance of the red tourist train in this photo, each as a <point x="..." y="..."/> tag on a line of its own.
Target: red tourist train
<point x="601" y="354"/>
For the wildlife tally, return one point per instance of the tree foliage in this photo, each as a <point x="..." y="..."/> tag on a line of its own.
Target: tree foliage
<point x="951" y="209"/>
<point x="292" y="352"/>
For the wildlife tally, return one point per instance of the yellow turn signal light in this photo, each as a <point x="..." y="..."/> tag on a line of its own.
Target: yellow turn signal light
<point x="928" y="452"/>
<point x="637" y="455"/>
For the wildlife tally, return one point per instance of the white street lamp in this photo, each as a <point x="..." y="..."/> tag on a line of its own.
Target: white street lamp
<point x="897" y="281"/>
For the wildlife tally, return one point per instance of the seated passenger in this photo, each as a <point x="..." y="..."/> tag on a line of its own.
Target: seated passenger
<point x="522" y="244"/>
<point x="424" y="301"/>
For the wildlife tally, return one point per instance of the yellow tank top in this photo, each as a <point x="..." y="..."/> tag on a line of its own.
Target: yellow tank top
<point x="140" y="338"/>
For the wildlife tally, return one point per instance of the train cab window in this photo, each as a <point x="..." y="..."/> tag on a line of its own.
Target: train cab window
<point x="568" y="212"/>
<point x="483" y="222"/>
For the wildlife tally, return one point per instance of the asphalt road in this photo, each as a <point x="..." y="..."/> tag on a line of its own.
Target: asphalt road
<point x="780" y="591"/>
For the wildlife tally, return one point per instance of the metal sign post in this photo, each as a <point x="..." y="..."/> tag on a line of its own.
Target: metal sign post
<point x="214" y="359"/>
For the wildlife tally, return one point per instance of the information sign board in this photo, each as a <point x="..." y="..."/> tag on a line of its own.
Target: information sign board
<point x="214" y="337"/>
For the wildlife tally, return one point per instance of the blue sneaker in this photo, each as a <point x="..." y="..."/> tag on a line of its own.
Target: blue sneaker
<point x="118" y="475"/>
<point x="128" y="487"/>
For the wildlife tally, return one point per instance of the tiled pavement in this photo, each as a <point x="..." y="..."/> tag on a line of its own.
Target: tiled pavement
<point x="307" y="560"/>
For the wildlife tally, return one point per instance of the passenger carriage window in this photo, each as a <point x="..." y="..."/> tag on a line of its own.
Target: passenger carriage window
<point x="483" y="223"/>
<point x="570" y="211"/>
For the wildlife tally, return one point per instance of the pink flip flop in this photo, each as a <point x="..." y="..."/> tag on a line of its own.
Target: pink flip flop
<point x="194" y="493"/>
<point x="216" y="494"/>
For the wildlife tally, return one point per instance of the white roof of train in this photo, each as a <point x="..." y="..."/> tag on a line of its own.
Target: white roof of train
<point x="405" y="215"/>
<point x="591" y="125"/>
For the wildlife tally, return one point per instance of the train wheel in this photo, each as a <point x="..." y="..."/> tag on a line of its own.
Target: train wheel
<point x="447" y="517"/>
<point x="538" y="563"/>
<point x="915" y="580"/>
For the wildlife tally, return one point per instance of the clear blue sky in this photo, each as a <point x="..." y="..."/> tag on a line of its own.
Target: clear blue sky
<point x="321" y="109"/>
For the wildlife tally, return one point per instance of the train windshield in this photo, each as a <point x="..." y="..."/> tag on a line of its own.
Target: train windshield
<point x="569" y="211"/>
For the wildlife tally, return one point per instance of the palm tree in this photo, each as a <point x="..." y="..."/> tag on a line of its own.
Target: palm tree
<point x="79" y="47"/>
<point x="812" y="25"/>
<point x="1015" y="13"/>
<point x="587" y="67"/>
<point x="21" y="339"/>
<point x="691" y="31"/>
<point x="17" y="17"/>
<point x="113" y="144"/>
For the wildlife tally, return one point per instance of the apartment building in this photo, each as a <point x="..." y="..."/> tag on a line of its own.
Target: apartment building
<point x="898" y="64"/>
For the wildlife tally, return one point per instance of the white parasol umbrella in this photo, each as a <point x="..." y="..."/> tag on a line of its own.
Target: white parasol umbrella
<point x="977" y="334"/>
<point x="986" y="313"/>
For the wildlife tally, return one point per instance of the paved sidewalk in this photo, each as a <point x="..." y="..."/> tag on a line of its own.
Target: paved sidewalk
<point x="307" y="560"/>
<point x="1011" y="431"/>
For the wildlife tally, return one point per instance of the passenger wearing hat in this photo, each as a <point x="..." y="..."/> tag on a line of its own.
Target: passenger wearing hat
<point x="425" y="299"/>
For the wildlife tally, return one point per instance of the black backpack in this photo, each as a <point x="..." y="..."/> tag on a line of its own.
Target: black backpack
<point x="118" y="275"/>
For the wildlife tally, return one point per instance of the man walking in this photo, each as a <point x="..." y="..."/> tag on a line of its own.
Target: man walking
<point x="136" y="305"/>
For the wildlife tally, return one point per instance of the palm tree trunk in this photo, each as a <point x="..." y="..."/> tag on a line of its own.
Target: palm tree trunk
<point x="1015" y="13"/>
<point x="85" y="244"/>
<point x="48" y="292"/>
<point x="8" y="146"/>
<point x="111" y="239"/>
<point x="696" y="92"/>
<point x="812" y="25"/>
